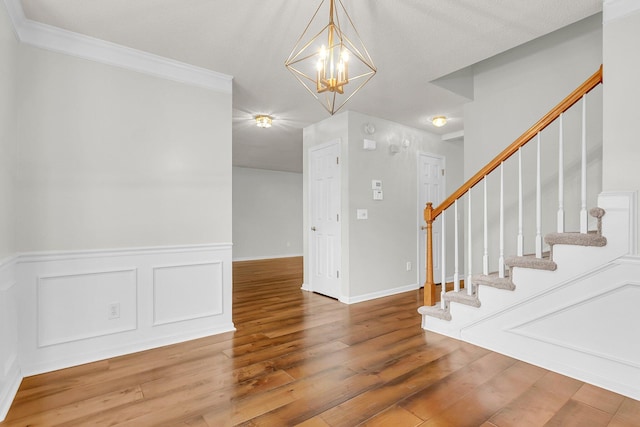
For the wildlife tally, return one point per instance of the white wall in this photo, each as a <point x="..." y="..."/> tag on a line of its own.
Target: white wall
<point x="381" y="246"/>
<point x="267" y="214"/>
<point x="9" y="368"/>
<point x="8" y="135"/>
<point x="375" y="251"/>
<point x="512" y="91"/>
<point x="120" y="186"/>
<point x="111" y="158"/>
<point x="621" y="148"/>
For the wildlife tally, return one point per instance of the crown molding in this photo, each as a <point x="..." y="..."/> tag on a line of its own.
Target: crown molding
<point x="614" y="9"/>
<point x="67" y="42"/>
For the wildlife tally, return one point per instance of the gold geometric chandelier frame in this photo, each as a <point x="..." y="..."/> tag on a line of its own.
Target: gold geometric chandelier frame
<point x="333" y="65"/>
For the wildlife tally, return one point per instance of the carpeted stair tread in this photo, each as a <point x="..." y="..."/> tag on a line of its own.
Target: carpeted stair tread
<point x="578" y="239"/>
<point x="530" y="261"/>
<point x="494" y="281"/>
<point x="462" y="297"/>
<point x="435" y="311"/>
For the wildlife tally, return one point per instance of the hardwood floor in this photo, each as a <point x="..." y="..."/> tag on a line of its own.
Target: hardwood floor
<point x="299" y="358"/>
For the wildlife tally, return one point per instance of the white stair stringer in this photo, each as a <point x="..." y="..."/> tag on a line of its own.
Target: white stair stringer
<point x="594" y="294"/>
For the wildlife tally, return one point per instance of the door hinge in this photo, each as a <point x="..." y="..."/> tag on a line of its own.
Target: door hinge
<point x="337" y="274"/>
<point x="338" y="217"/>
<point x="442" y="172"/>
<point x="337" y="160"/>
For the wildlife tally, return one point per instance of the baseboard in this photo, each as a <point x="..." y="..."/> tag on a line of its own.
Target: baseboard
<point x="75" y="360"/>
<point x="8" y="390"/>
<point x="379" y="294"/>
<point x="266" y="257"/>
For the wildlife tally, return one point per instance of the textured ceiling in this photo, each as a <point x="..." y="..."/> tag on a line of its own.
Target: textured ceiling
<point x="412" y="42"/>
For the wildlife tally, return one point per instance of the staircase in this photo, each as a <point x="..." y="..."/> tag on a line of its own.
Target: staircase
<point x="564" y="307"/>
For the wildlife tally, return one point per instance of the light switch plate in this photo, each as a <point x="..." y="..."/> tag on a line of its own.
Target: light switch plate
<point x="377" y="194"/>
<point x="376" y="184"/>
<point x="362" y="214"/>
<point x="369" y="144"/>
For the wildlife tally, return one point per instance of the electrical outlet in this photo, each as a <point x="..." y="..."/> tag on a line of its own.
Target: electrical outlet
<point x="114" y="311"/>
<point x="408" y="265"/>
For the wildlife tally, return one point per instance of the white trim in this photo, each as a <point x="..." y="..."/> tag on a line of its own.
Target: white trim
<point x="76" y="360"/>
<point x="67" y="42"/>
<point x="7" y="279"/>
<point x="260" y="258"/>
<point x="379" y="294"/>
<point x="101" y="253"/>
<point x="453" y="136"/>
<point x="615" y="9"/>
<point x="157" y="321"/>
<point x="42" y="342"/>
<point x="9" y="391"/>
<point x="30" y="267"/>
<point x="517" y="328"/>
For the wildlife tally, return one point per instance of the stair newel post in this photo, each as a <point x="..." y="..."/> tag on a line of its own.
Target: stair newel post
<point x="583" y="178"/>
<point x="429" y="286"/>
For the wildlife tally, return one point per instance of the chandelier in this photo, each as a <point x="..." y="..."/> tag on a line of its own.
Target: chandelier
<point x="333" y="64"/>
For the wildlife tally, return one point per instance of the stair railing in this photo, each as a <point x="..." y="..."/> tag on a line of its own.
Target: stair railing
<point x="431" y="213"/>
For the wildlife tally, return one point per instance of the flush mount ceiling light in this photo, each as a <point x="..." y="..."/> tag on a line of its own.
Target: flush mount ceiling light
<point x="264" y="121"/>
<point x="439" y="121"/>
<point x="334" y="63"/>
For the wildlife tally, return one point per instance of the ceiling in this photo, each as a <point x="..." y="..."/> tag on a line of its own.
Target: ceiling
<point x="412" y="42"/>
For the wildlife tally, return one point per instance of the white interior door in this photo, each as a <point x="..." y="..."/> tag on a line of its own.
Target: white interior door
<point x="324" y="219"/>
<point x="431" y="189"/>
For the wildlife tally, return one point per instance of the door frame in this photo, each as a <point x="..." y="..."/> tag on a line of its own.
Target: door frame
<point x="310" y="286"/>
<point x="420" y="209"/>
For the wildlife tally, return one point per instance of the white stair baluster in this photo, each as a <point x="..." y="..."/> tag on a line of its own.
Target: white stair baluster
<point x="583" y="190"/>
<point x="443" y="265"/>
<point x="538" y="203"/>
<point x="456" y="270"/>
<point x="520" y="243"/>
<point x="467" y="283"/>
<point x="485" y="255"/>
<point x="501" y="259"/>
<point x="560" y="218"/>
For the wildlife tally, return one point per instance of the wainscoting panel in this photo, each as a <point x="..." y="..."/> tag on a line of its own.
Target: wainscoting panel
<point x="583" y="328"/>
<point x="10" y="375"/>
<point x="79" y="307"/>
<point x="188" y="291"/>
<point x="73" y="307"/>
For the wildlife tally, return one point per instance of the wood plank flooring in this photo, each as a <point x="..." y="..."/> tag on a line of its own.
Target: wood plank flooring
<point x="299" y="358"/>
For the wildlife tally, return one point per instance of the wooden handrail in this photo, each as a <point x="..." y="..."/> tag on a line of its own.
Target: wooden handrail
<point x="431" y="213"/>
<point x="545" y="121"/>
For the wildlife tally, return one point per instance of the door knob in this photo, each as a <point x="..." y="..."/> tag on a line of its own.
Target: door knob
<point x="313" y="229"/>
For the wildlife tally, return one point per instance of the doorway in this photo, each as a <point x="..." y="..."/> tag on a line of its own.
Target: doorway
<point x="430" y="189"/>
<point x="324" y="219"/>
